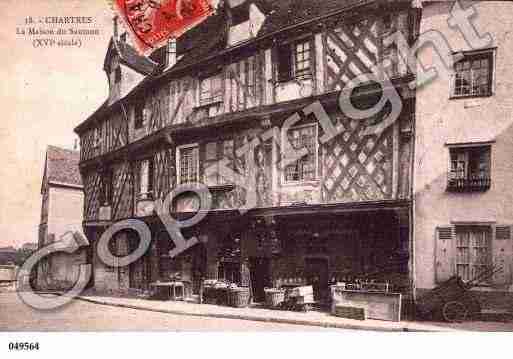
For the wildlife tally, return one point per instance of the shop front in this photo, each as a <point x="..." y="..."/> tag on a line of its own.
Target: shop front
<point x="322" y="247"/>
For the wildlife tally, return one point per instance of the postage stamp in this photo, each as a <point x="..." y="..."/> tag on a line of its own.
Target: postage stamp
<point x="153" y="22"/>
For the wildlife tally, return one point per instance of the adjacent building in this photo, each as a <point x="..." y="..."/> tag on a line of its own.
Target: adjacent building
<point x="463" y="162"/>
<point x="61" y="213"/>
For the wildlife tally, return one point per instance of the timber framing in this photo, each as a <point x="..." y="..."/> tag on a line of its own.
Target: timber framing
<point x="349" y="13"/>
<point x="240" y="119"/>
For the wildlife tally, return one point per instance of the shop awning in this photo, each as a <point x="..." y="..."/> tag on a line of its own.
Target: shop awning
<point x="335" y="208"/>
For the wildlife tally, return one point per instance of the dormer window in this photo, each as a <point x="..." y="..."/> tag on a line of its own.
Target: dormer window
<point x="294" y="60"/>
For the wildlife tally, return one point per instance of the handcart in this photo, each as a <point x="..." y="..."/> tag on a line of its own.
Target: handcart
<point x="452" y="300"/>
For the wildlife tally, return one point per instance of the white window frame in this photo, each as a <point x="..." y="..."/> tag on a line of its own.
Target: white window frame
<point x="492" y="52"/>
<point x="295" y="54"/>
<point x="178" y="164"/>
<point x="283" y="168"/>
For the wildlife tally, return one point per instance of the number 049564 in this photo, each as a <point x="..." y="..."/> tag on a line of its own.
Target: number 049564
<point x="23" y="346"/>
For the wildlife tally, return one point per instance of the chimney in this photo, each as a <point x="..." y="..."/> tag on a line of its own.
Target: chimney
<point x="75" y="145"/>
<point x="115" y="27"/>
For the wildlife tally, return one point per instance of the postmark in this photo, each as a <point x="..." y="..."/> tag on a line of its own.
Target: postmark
<point x="152" y="22"/>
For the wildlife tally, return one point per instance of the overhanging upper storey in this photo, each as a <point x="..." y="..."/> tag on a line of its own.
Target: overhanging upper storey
<point x="292" y="52"/>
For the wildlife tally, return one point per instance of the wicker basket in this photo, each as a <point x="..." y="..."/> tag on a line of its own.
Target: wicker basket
<point x="238" y="298"/>
<point x="274" y="297"/>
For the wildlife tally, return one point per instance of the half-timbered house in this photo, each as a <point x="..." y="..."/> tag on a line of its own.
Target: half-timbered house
<point x="255" y="76"/>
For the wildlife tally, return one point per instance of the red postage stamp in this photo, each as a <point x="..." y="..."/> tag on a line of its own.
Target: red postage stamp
<point x="153" y="22"/>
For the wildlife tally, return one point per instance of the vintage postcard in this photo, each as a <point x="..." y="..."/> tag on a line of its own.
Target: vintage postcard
<point x="253" y="165"/>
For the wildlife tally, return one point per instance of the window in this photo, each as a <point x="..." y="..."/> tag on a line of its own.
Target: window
<point x="139" y="114"/>
<point x="117" y="75"/>
<point x="188" y="164"/>
<point x="106" y="188"/>
<point x="97" y="138"/>
<point x="123" y="37"/>
<point x="219" y="163"/>
<point x="302" y="59"/>
<point x="469" y="169"/>
<point x="146" y="170"/>
<point x="304" y="169"/>
<point x="473" y="75"/>
<point x="473" y="251"/>
<point x="211" y="90"/>
<point x="294" y="61"/>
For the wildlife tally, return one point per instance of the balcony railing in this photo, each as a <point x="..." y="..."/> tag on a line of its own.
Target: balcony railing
<point x="472" y="184"/>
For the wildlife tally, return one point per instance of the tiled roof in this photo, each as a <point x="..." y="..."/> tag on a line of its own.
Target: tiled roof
<point x="202" y="41"/>
<point x="131" y="58"/>
<point x="62" y="166"/>
<point x="285" y="13"/>
<point x="210" y="37"/>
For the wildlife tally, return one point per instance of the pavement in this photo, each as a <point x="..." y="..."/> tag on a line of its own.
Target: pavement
<point x="311" y="318"/>
<point x="82" y="316"/>
<point x="96" y="312"/>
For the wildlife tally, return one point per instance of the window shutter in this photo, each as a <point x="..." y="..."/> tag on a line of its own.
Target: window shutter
<point x="445" y="253"/>
<point x="502" y="253"/>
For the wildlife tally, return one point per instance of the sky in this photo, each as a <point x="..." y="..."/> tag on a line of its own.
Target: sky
<point x="44" y="94"/>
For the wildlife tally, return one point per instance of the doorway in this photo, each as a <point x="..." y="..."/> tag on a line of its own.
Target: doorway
<point x="317" y="272"/>
<point x="260" y="275"/>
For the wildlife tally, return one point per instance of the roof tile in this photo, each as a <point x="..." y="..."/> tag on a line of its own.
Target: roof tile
<point x="62" y="166"/>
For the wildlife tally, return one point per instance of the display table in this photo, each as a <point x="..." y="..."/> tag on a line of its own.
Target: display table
<point x="377" y="305"/>
<point x="167" y="290"/>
